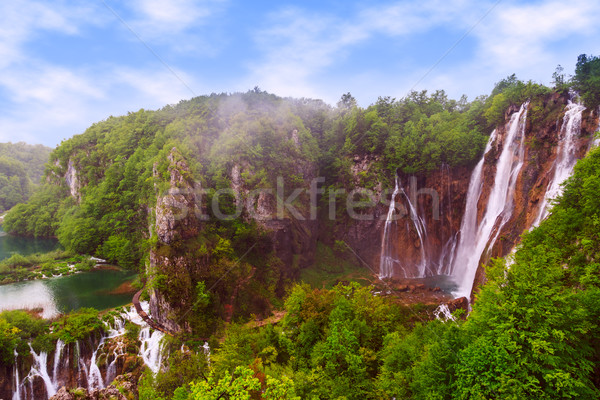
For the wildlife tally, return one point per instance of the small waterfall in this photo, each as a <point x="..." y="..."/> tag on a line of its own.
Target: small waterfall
<point x="206" y="349"/>
<point x="60" y="345"/>
<point x="40" y="368"/>
<point x="476" y="238"/>
<point x="386" y="260"/>
<point x="449" y="248"/>
<point x="94" y="377"/>
<point x="151" y="352"/>
<point x="565" y="157"/>
<point x="447" y="255"/>
<point x="151" y="348"/>
<point x="421" y="230"/>
<point x="443" y="313"/>
<point x="77" y="356"/>
<point x="17" y="384"/>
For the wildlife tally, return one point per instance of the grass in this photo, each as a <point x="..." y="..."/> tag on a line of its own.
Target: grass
<point x="332" y="267"/>
<point x="19" y="268"/>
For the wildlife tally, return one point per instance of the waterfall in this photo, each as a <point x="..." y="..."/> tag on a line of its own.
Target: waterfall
<point x="449" y="248"/>
<point x="386" y="260"/>
<point x="566" y="156"/>
<point x="94" y="377"/>
<point x="60" y="345"/>
<point x="151" y="352"/>
<point x="206" y="349"/>
<point x="476" y="238"/>
<point x="40" y="368"/>
<point x="421" y="230"/>
<point x="443" y="313"/>
<point x="17" y="387"/>
<point x="151" y="348"/>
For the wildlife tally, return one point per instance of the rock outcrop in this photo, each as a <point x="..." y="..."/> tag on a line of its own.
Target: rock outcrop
<point x="171" y="271"/>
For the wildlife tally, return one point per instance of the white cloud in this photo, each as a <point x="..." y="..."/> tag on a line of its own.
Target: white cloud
<point x="519" y="36"/>
<point x="160" y="21"/>
<point x="21" y="21"/>
<point x="297" y="46"/>
<point x="52" y="99"/>
<point x="302" y="51"/>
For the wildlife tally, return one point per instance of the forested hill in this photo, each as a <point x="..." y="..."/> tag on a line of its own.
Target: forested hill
<point x="21" y="169"/>
<point x="110" y="166"/>
<point x="143" y="191"/>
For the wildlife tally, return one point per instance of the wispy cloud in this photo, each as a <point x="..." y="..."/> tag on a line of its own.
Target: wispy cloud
<point x="298" y="48"/>
<point x="297" y="45"/>
<point x="180" y="23"/>
<point x="22" y="21"/>
<point x="518" y="36"/>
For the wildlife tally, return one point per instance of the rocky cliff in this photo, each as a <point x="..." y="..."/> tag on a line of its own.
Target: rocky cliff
<point x="430" y="208"/>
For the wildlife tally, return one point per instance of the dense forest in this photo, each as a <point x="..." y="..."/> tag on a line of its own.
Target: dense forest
<point x="21" y="169"/>
<point x="533" y="331"/>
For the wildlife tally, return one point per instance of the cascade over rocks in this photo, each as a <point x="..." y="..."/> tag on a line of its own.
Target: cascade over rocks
<point x="513" y="180"/>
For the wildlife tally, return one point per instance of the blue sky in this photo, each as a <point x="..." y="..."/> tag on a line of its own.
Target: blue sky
<point x="67" y="64"/>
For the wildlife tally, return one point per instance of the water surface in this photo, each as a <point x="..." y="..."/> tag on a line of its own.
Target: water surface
<point x="100" y="289"/>
<point x="10" y="244"/>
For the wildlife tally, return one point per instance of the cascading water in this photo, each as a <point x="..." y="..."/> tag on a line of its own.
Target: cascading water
<point x="94" y="378"/>
<point x="476" y="238"/>
<point x="151" y="352"/>
<point x="419" y="225"/>
<point x="386" y="260"/>
<point x="151" y="348"/>
<point x="443" y="313"/>
<point x="60" y="345"/>
<point x="40" y="369"/>
<point x="449" y="249"/>
<point x="17" y="383"/>
<point x="566" y="156"/>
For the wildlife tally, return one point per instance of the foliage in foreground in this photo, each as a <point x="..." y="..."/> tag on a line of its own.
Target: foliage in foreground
<point x="533" y="332"/>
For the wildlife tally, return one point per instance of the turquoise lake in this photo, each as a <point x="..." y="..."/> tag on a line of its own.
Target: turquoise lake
<point x="101" y="288"/>
<point x="14" y="244"/>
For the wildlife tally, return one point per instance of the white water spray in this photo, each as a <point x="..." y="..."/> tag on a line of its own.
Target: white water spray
<point x="386" y="260"/>
<point x="477" y="238"/>
<point x="566" y="156"/>
<point x="17" y="387"/>
<point x="443" y="313"/>
<point x="40" y="368"/>
<point x="60" y="345"/>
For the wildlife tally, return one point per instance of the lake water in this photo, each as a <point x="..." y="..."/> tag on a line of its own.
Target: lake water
<point x="14" y="244"/>
<point x="100" y="289"/>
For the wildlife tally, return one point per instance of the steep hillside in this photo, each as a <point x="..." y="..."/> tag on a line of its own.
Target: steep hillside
<point x="21" y="169"/>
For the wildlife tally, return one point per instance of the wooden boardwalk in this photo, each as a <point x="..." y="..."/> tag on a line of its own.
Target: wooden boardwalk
<point x="153" y="324"/>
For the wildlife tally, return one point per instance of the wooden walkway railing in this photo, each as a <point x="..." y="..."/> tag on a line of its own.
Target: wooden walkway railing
<point x="153" y="324"/>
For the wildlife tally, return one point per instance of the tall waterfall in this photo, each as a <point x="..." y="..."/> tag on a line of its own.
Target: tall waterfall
<point x="386" y="259"/>
<point x="420" y="228"/>
<point x="477" y="237"/>
<point x="565" y="158"/>
<point x="389" y="262"/>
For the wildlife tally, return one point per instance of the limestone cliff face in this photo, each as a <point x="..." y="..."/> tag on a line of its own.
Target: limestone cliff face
<point x="72" y="180"/>
<point x="438" y="197"/>
<point x="176" y="263"/>
<point x="170" y="270"/>
<point x="542" y="139"/>
<point x="291" y="225"/>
